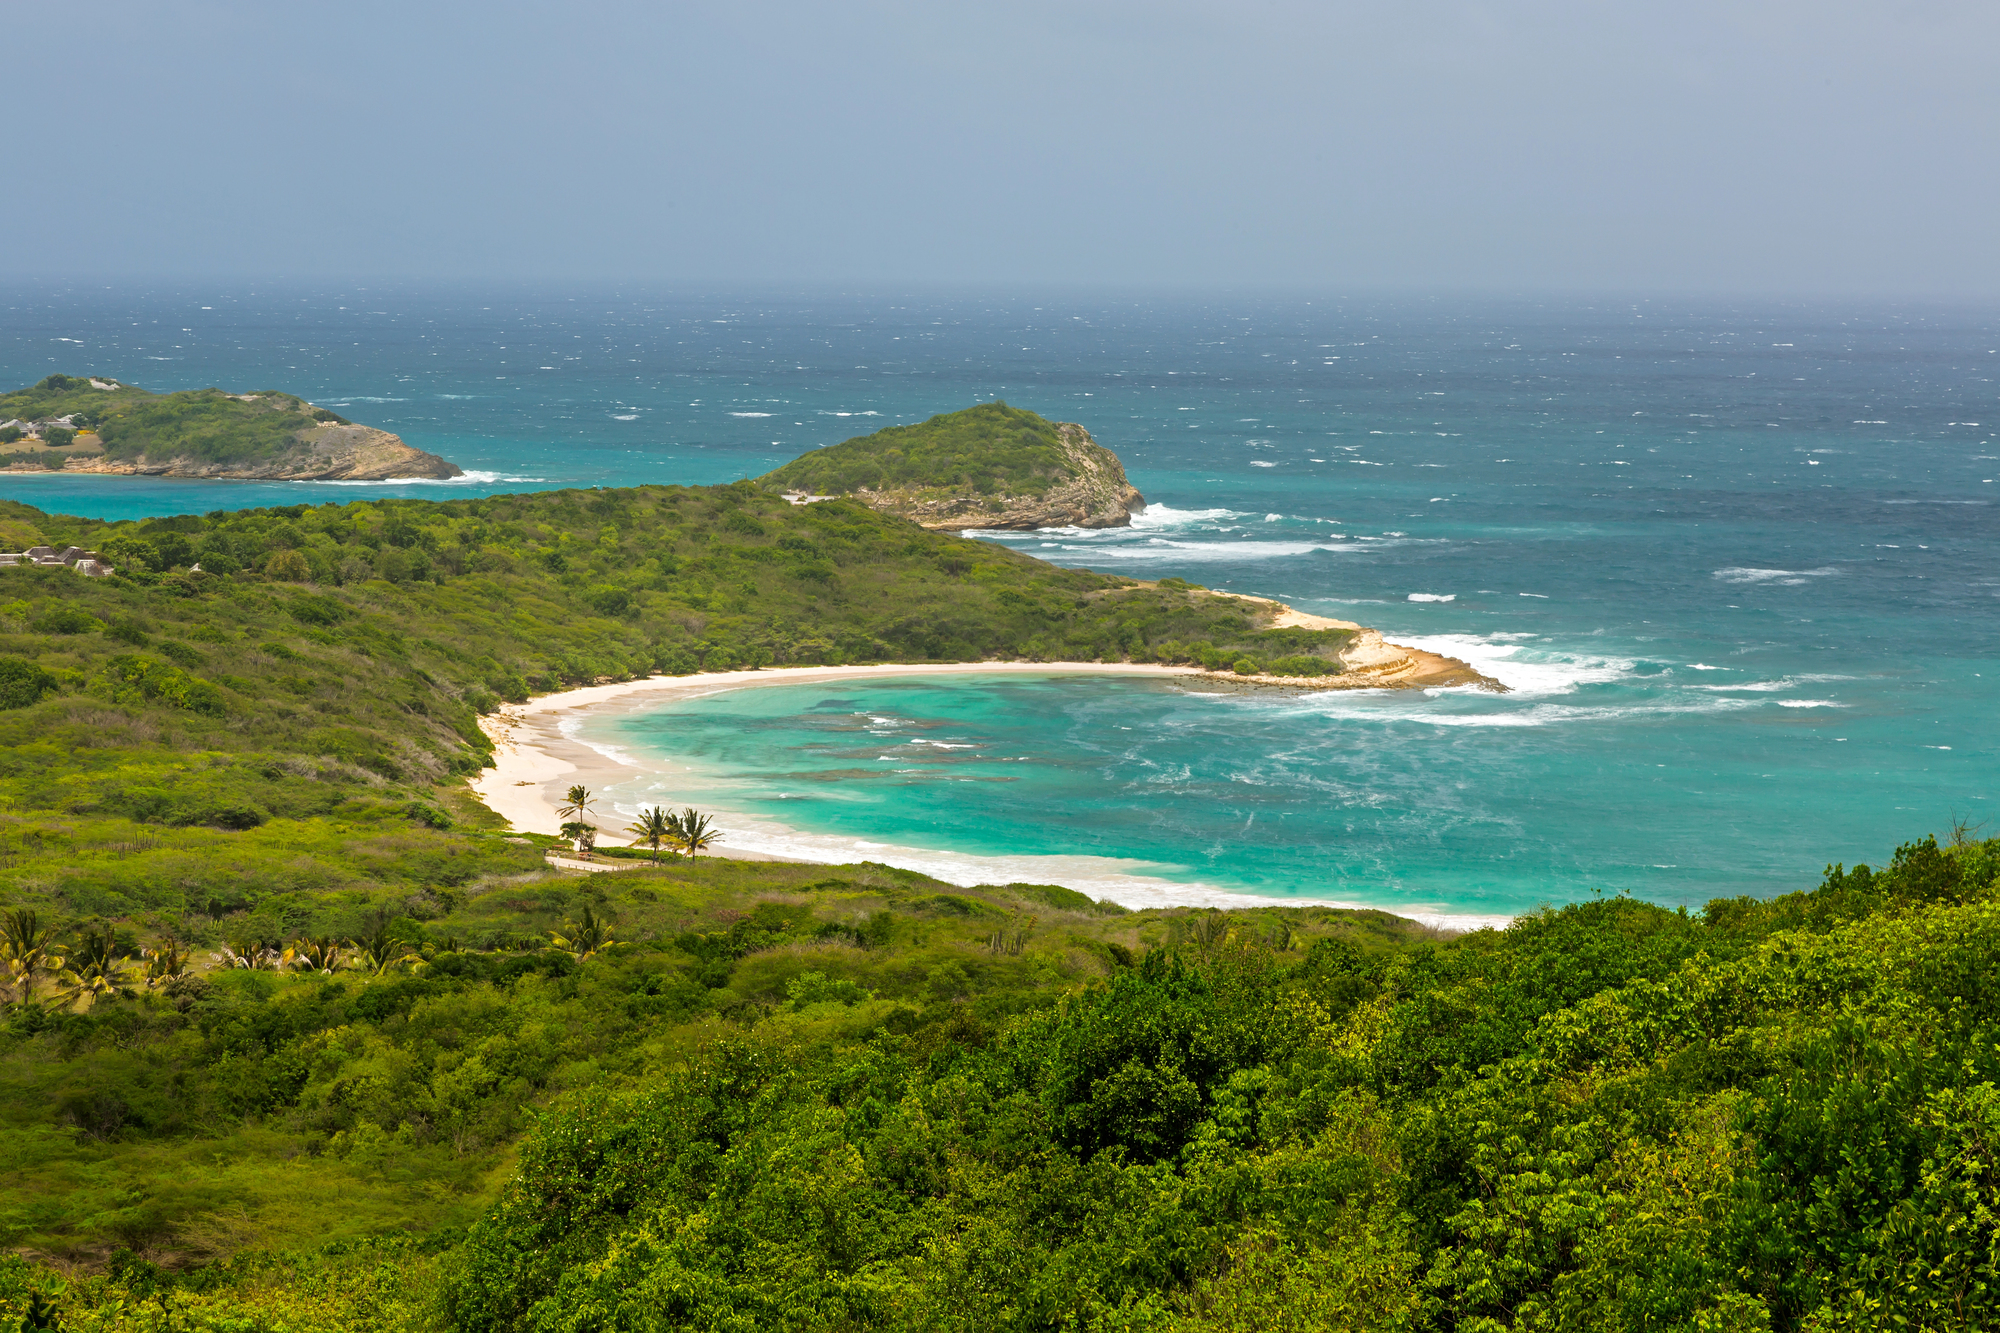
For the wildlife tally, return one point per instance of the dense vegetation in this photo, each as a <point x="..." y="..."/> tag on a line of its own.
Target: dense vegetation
<point x="418" y="1080"/>
<point x="205" y="424"/>
<point x="990" y="449"/>
<point x="802" y="1097"/>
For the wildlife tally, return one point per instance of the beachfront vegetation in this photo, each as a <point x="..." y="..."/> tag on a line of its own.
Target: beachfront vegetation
<point x="990" y="449"/>
<point x="204" y="424"/>
<point x="721" y="1095"/>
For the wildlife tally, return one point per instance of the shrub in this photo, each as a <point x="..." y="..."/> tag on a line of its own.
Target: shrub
<point x="289" y="567"/>
<point x="23" y="683"/>
<point x="62" y="618"/>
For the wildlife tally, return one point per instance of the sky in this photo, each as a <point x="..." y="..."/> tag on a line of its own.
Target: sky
<point x="1743" y="146"/>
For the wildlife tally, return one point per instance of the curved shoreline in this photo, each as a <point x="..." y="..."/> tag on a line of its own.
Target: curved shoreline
<point x="536" y="760"/>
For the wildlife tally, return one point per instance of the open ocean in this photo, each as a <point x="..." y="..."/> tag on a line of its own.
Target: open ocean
<point x="1740" y="564"/>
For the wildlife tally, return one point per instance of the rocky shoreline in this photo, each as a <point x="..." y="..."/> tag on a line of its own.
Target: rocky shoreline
<point x="1096" y="495"/>
<point x="329" y="452"/>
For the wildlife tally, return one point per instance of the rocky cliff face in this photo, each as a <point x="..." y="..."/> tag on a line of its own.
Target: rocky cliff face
<point x="1095" y="494"/>
<point x="328" y="452"/>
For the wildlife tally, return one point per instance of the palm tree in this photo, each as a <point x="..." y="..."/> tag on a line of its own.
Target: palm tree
<point x="694" y="831"/>
<point x="249" y="953"/>
<point x="586" y="936"/>
<point x="656" y="828"/>
<point x="376" y="949"/>
<point x="96" y="969"/>
<point x="580" y="801"/>
<point x="318" y="953"/>
<point x="27" y="949"/>
<point x="166" y="962"/>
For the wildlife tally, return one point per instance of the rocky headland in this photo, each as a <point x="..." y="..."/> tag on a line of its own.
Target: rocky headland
<point x="990" y="466"/>
<point x="74" y="423"/>
<point x="1093" y="493"/>
<point x="327" y="452"/>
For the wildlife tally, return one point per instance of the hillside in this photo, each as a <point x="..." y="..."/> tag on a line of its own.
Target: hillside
<point x="101" y="425"/>
<point x="990" y="466"/>
<point x="849" y="1097"/>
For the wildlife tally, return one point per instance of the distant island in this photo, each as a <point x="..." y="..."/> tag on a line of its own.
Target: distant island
<point x="990" y="466"/>
<point x="78" y="423"/>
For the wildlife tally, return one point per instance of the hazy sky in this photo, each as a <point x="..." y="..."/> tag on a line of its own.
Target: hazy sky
<point x="1809" y="146"/>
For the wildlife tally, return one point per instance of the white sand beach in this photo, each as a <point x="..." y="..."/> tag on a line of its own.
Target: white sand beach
<point x="538" y="757"/>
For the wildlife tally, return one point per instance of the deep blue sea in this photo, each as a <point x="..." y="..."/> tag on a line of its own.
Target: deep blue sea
<point x="1740" y="564"/>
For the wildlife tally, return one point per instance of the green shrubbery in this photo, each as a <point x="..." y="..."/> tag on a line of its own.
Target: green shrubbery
<point x="789" y="1100"/>
<point x="985" y="450"/>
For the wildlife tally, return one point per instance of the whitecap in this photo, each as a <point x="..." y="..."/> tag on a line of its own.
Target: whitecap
<point x="1256" y="463"/>
<point x="630" y="417"/>
<point x="1433" y="597"/>
<point x="749" y="414"/>
<point x="1781" y="577"/>
<point x="1205" y="551"/>
<point x="463" y="479"/>
<point x="1809" y="703"/>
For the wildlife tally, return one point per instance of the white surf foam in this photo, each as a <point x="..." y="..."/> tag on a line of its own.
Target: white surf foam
<point x="1162" y="549"/>
<point x="1433" y="597"/>
<point x="1166" y="516"/>
<point x="1528" y="671"/>
<point x="1782" y="577"/>
<point x="463" y="479"/>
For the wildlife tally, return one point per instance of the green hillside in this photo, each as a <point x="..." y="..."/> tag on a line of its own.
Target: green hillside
<point x="984" y="450"/>
<point x="850" y="1098"/>
<point x="204" y="424"/>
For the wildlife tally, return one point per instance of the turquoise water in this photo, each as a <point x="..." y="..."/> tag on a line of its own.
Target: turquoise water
<point x="1739" y="564"/>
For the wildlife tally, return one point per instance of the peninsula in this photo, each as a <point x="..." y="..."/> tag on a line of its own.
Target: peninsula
<point x="91" y="424"/>
<point x="990" y="466"/>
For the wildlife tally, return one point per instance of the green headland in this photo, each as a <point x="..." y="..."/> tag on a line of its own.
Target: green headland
<point x="85" y="424"/>
<point x="990" y="466"/>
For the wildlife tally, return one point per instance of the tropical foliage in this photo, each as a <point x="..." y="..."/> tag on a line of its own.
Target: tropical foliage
<point x="990" y="449"/>
<point x="780" y="1101"/>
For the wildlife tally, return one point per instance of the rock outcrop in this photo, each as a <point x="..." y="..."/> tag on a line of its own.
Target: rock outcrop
<point x="327" y="452"/>
<point x="1094" y="494"/>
